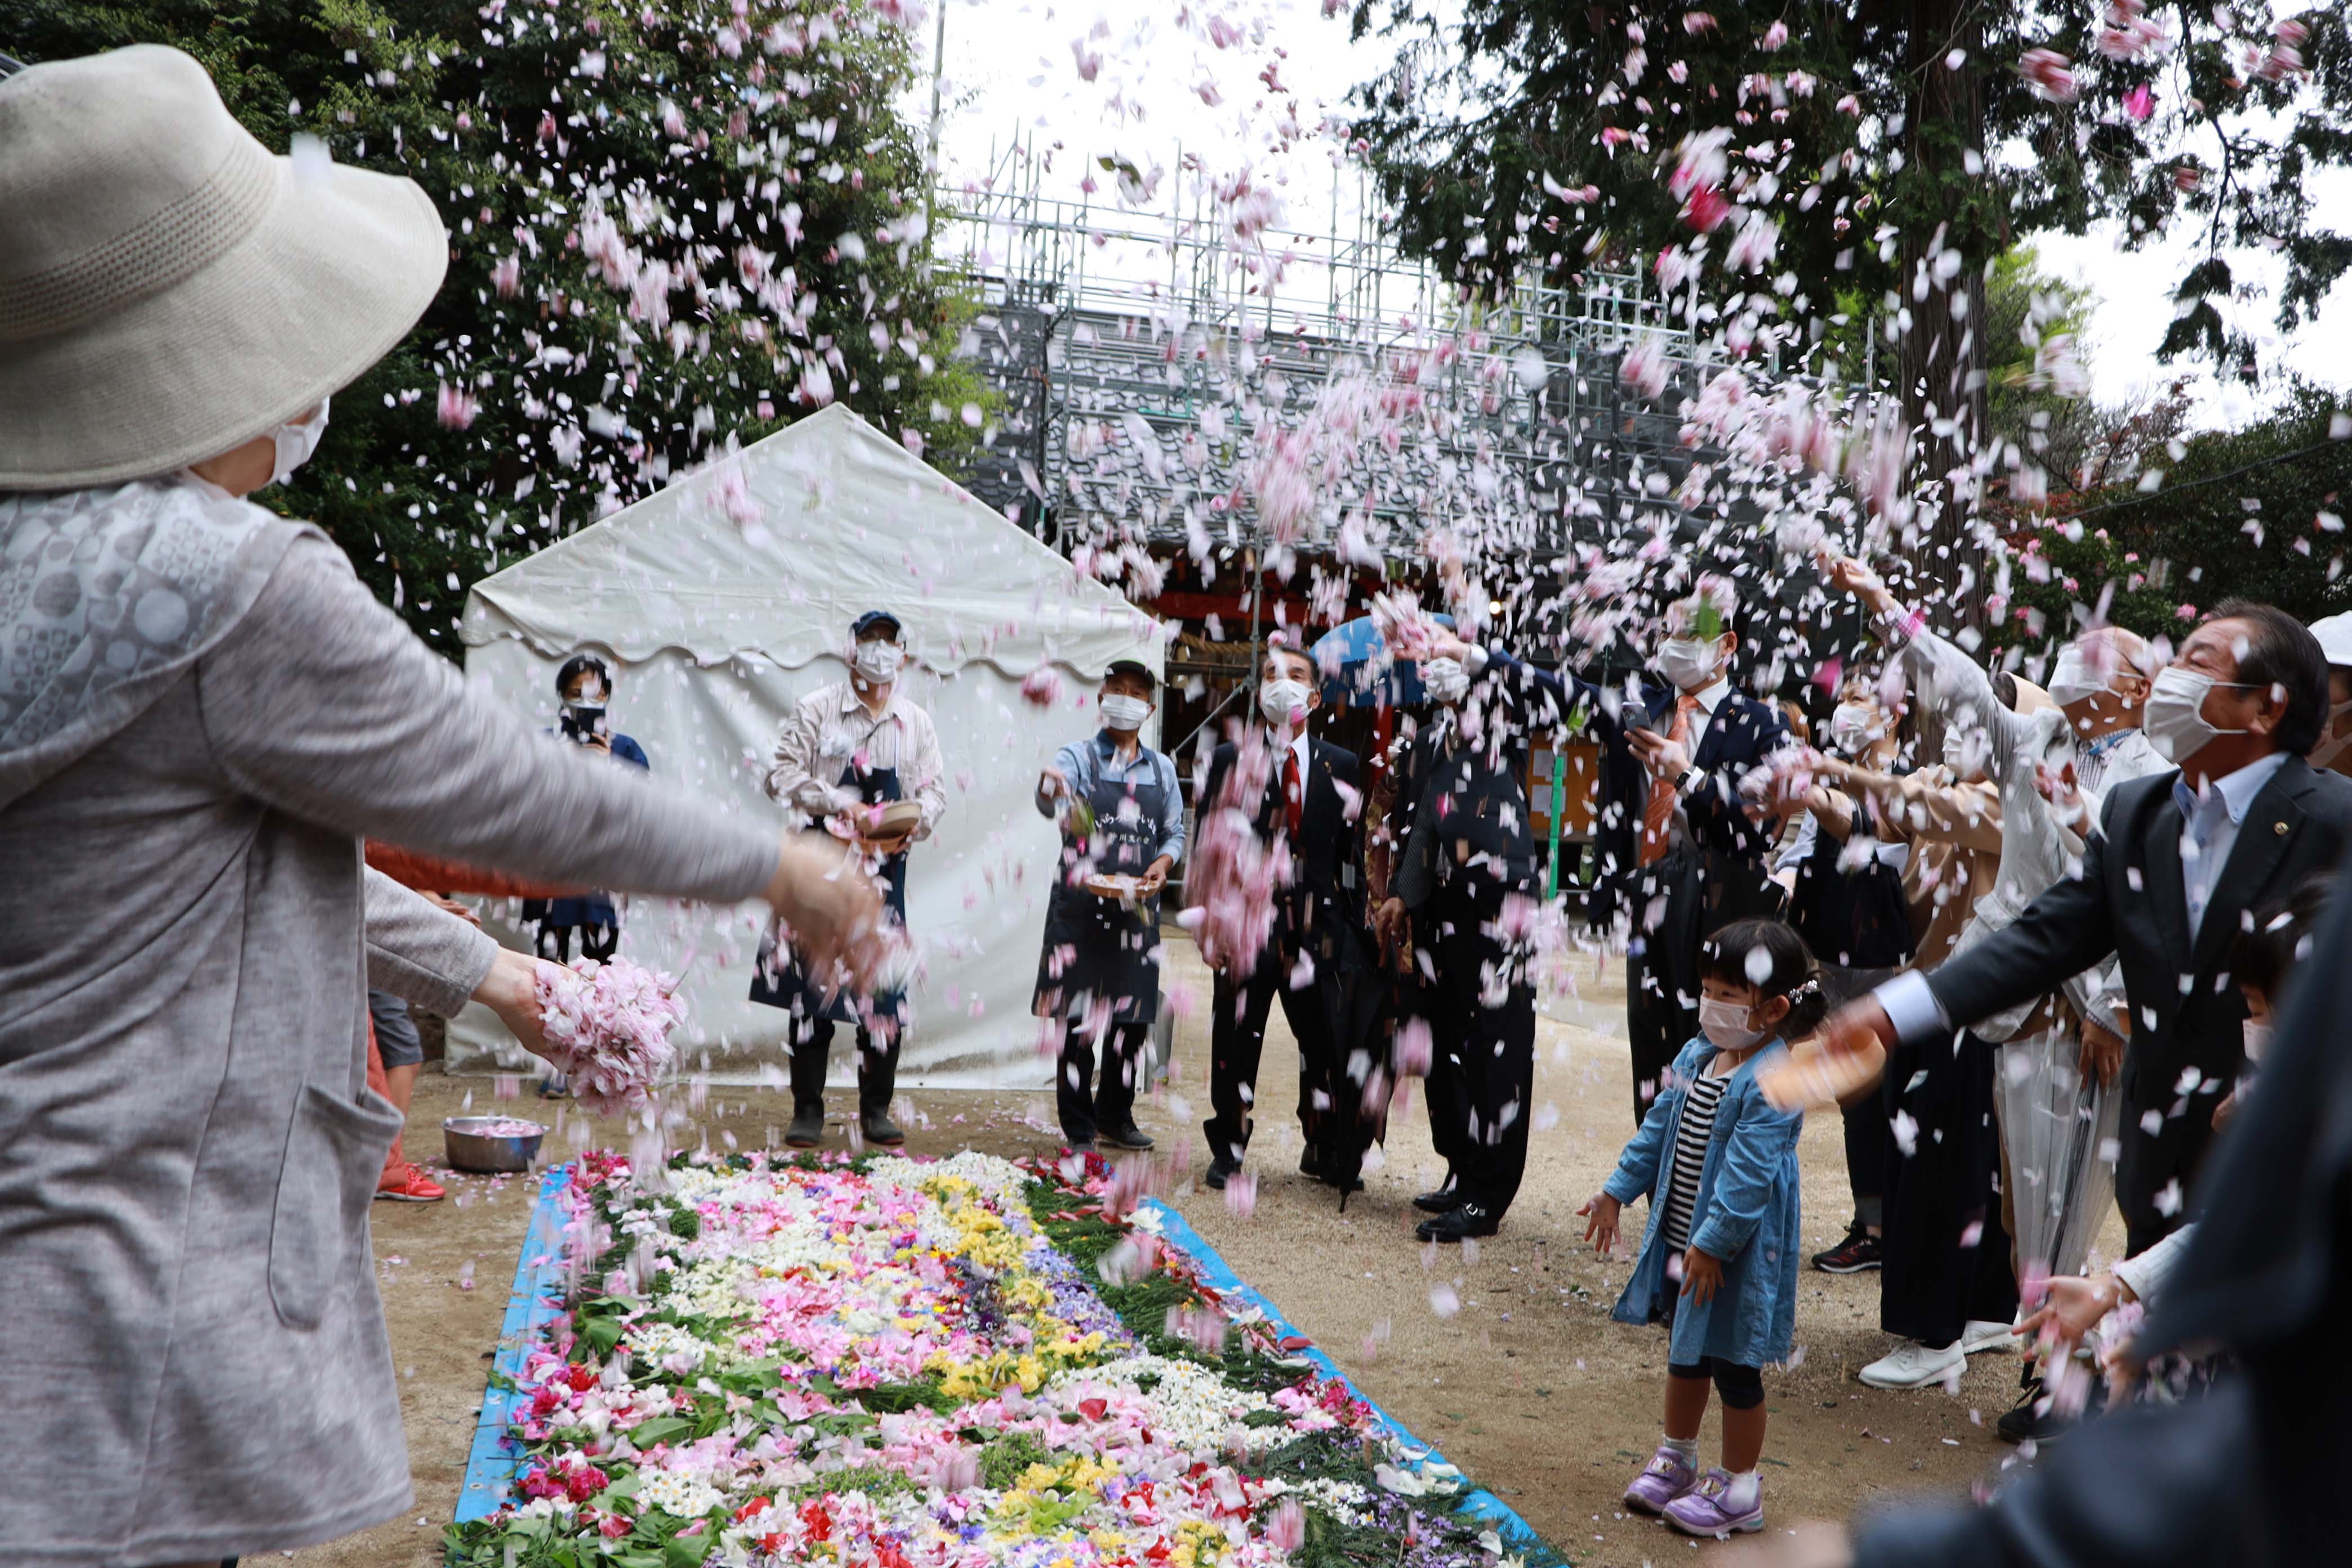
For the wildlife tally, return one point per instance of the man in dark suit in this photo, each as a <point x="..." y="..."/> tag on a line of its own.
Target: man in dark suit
<point x="2166" y="883"/>
<point x="1311" y="799"/>
<point x="1467" y="877"/>
<point x="1688" y="856"/>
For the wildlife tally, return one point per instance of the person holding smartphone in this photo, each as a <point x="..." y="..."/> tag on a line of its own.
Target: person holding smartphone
<point x="585" y="687"/>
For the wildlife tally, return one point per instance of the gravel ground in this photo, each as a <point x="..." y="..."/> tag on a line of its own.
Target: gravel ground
<point x="1528" y="1384"/>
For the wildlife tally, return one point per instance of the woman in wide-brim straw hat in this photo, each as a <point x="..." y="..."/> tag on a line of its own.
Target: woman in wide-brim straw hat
<point x="202" y="714"/>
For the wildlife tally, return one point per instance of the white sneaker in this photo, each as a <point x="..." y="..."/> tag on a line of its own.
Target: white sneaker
<point x="1913" y="1365"/>
<point x="1980" y="1335"/>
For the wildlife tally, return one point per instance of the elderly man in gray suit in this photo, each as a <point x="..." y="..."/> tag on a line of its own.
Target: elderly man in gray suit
<point x="2180" y="860"/>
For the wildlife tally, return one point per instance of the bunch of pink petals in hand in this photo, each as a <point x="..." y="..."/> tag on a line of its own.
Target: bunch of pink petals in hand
<point x="607" y="1028"/>
<point x="1235" y="877"/>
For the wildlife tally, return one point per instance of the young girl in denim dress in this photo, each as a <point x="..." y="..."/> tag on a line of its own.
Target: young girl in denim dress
<point x="1718" y="1261"/>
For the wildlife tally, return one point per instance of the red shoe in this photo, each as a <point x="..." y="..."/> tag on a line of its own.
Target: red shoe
<point x="414" y="1188"/>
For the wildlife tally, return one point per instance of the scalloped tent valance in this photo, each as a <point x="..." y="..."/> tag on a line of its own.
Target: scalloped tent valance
<point x="775" y="550"/>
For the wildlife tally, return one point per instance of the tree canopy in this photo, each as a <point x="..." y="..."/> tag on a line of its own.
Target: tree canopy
<point x="670" y="229"/>
<point x="1765" y="160"/>
<point x="1860" y="141"/>
<point x="2256" y="513"/>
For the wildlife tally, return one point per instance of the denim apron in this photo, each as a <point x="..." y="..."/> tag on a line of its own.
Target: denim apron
<point x="779" y="980"/>
<point x="1098" y="949"/>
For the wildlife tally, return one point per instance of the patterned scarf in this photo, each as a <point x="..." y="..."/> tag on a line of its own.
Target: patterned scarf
<point x="109" y="596"/>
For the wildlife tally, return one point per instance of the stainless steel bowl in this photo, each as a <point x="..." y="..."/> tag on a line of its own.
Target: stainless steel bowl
<point x="472" y="1147"/>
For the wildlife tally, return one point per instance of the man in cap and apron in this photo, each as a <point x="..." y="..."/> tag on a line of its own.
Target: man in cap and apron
<point x="1122" y="831"/>
<point x="845" y="754"/>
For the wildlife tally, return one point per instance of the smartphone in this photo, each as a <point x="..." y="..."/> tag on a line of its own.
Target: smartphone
<point x="581" y="723"/>
<point x="1634" y="716"/>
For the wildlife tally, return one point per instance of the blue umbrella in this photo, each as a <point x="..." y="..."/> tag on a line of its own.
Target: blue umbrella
<point x="1360" y="671"/>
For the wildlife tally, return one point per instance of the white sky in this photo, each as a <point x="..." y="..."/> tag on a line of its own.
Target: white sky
<point x="1009" y="67"/>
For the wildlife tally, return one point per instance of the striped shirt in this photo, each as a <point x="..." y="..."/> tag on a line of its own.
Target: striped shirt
<point x="1691" y="1133"/>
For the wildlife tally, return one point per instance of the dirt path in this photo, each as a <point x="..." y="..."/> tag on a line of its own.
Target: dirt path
<point x="1528" y="1385"/>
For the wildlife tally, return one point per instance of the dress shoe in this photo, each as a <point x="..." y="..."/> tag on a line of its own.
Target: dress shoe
<point x="1219" y="1173"/>
<point x="1441" y="1201"/>
<point x="1130" y="1137"/>
<point x="1463" y="1221"/>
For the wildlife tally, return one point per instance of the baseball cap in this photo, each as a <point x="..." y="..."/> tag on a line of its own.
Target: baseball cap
<point x="1132" y="667"/>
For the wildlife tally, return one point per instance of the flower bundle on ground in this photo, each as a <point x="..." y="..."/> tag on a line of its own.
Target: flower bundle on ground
<point x="887" y="1363"/>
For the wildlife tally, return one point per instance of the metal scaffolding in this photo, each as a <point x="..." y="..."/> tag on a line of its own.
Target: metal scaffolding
<point x="1108" y="328"/>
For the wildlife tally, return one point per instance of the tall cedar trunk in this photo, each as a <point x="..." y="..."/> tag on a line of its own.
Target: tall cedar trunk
<point x="1940" y="361"/>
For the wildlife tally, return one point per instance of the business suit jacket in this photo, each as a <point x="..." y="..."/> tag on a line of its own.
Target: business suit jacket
<point x="2226" y="1478"/>
<point x="1734" y="853"/>
<point x="2186" y="1012"/>
<point x="1328" y="851"/>
<point x="1463" y="778"/>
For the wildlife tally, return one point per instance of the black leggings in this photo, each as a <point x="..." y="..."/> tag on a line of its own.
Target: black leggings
<point x="1740" y="1387"/>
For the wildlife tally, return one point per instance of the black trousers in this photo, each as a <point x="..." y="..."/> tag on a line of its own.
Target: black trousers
<point x="1237" y="1040"/>
<point x="554" y="942"/>
<point x="1661" y="987"/>
<point x="1481" y="1023"/>
<point x="1085" y="1106"/>
<point x="1946" y="1251"/>
<point x="877" y="1067"/>
<point x="1869" y="1138"/>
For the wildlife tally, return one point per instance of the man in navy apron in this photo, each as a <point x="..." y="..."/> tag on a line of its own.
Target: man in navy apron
<point x="1121" y="816"/>
<point x="845" y="748"/>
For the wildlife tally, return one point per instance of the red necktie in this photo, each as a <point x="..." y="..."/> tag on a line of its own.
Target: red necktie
<point x="1293" y="797"/>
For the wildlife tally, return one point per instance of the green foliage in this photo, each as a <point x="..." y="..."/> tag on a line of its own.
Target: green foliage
<point x="1004" y="1460"/>
<point x="2207" y="532"/>
<point x="2024" y="308"/>
<point x="671" y="228"/>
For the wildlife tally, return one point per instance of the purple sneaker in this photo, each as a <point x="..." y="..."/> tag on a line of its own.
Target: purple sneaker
<point x="1707" y="1509"/>
<point x="1666" y="1477"/>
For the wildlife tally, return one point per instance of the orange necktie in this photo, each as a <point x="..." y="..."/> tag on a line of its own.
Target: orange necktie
<point x="1658" y="816"/>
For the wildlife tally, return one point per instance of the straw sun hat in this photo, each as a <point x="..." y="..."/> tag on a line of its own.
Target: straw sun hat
<point x="168" y="289"/>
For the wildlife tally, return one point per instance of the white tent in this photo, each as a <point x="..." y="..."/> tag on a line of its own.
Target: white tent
<point x="723" y="600"/>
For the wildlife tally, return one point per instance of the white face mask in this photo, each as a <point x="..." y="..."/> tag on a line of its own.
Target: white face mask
<point x="1446" y="681"/>
<point x="1725" y="1024"/>
<point x="295" y="443"/>
<point x="1853" y="728"/>
<point x="878" y="661"/>
<point x="2175" y="719"/>
<point x="1282" y="702"/>
<point x="2258" y="1040"/>
<point x="2071" y="678"/>
<point x="1123" y="713"/>
<point x="1689" y="663"/>
<point x="2331" y="744"/>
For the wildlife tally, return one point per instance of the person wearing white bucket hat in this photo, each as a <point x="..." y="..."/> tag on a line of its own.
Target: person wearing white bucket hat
<point x="202" y="714"/>
<point x="2334" y="749"/>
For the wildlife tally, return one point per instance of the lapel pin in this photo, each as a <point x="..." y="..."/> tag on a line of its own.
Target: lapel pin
<point x="2279" y="828"/>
